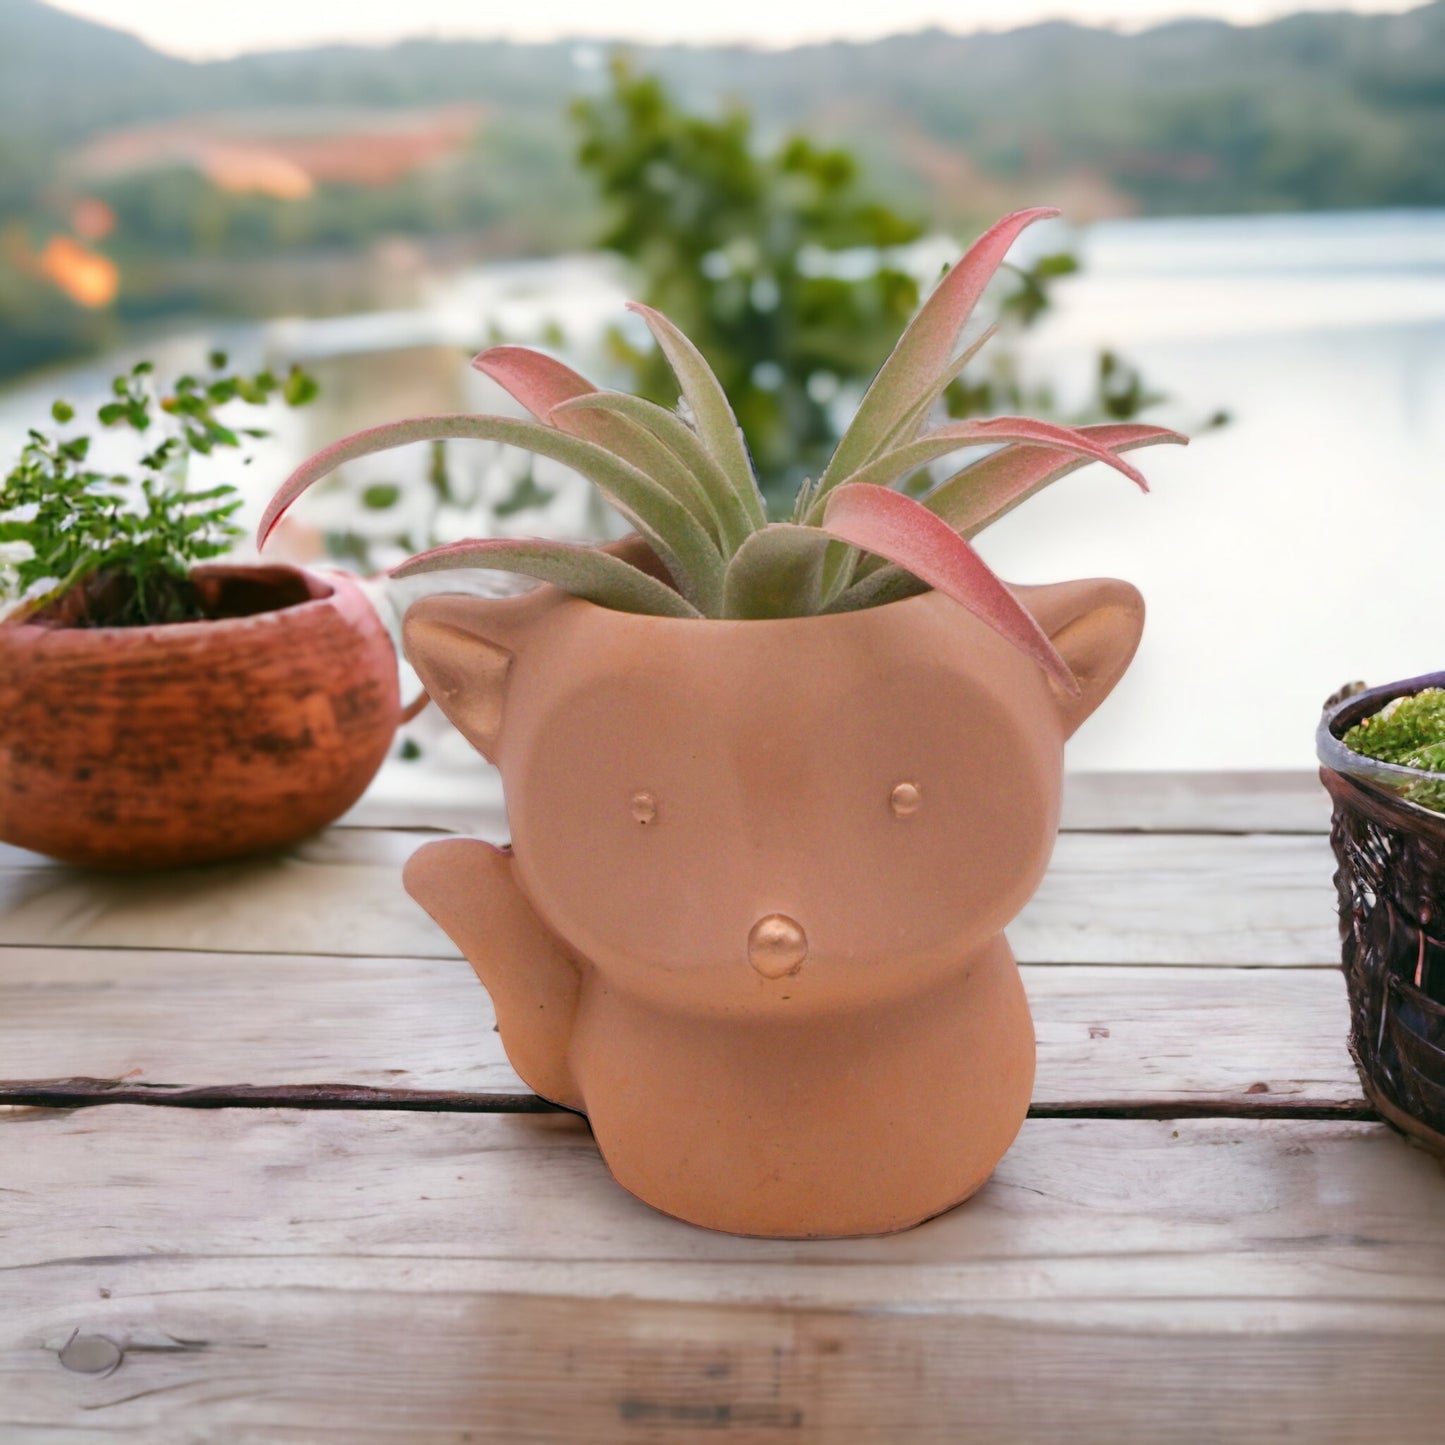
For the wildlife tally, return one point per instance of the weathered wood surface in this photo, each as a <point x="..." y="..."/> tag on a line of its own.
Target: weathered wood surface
<point x="1204" y="802"/>
<point x="1241" y="802"/>
<point x="160" y="1025"/>
<point x="1109" y="898"/>
<point x="415" y="1264"/>
<point x="283" y="1275"/>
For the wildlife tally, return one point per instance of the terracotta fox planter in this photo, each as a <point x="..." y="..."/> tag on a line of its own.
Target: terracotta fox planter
<point x="751" y="920"/>
<point x="150" y="747"/>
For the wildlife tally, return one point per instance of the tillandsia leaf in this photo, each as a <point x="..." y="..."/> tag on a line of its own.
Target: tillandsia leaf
<point x="670" y="431"/>
<point x="883" y="471"/>
<point x="583" y="571"/>
<point x="545" y="387"/>
<point x="980" y="494"/>
<point x="532" y="377"/>
<point x="917" y="415"/>
<point x="684" y="546"/>
<point x="777" y="572"/>
<point x="713" y="413"/>
<point x="888" y="468"/>
<point x="877" y="587"/>
<point x="924" y="349"/>
<point x="843" y="562"/>
<point x="881" y="520"/>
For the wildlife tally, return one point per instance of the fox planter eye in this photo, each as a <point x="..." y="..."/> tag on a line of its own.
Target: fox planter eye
<point x="766" y="830"/>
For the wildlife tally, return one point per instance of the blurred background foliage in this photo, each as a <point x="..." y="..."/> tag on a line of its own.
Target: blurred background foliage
<point x="785" y="268"/>
<point x="138" y="188"/>
<point x="792" y="276"/>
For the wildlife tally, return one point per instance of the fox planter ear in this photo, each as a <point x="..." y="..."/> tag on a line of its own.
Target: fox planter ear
<point x="1095" y="625"/>
<point x="459" y="648"/>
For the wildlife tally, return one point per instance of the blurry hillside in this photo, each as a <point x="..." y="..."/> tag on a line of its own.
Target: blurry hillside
<point x="134" y="185"/>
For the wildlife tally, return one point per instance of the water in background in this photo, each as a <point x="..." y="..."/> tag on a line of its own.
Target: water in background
<point x="1292" y="551"/>
<point x="1296" y="549"/>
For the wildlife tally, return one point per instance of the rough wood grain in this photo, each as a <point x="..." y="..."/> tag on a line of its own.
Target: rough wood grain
<point x="1204" y="802"/>
<point x="1255" y="900"/>
<point x="419" y="1277"/>
<point x="466" y="1366"/>
<point x="158" y="1023"/>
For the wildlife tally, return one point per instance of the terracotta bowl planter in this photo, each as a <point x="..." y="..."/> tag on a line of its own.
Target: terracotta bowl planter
<point x="751" y="921"/>
<point x="149" y="747"/>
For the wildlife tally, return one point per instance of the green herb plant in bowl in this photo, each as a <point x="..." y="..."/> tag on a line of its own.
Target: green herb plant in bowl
<point x="775" y="785"/>
<point x="1408" y="732"/>
<point x="159" y="706"/>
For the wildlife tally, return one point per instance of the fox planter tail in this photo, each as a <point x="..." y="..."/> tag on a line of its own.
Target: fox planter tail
<point x="751" y="922"/>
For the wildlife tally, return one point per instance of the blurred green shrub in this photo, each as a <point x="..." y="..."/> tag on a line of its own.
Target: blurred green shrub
<point x="788" y="275"/>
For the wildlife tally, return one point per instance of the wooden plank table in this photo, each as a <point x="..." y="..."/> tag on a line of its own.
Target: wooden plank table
<point x="266" y="1175"/>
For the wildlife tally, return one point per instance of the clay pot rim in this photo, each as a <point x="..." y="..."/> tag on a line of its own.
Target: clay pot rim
<point x="321" y="592"/>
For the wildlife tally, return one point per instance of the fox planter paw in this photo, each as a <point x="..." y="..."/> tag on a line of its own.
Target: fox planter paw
<point x="751" y="922"/>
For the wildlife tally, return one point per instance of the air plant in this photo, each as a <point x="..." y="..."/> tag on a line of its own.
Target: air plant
<point x="684" y="480"/>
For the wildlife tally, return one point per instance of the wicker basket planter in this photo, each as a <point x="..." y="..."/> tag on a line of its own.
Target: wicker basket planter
<point x="1391" y="884"/>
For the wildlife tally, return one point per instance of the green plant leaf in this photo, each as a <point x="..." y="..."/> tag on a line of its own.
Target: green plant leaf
<point x="881" y="520"/>
<point x="299" y="388"/>
<point x="711" y="410"/>
<point x="684" y="546"/>
<point x="732" y="518"/>
<point x="924" y="349"/>
<point x="908" y="429"/>
<point x="877" y="587"/>
<point x="584" y="571"/>
<point x="777" y="572"/>
<point x="380" y="496"/>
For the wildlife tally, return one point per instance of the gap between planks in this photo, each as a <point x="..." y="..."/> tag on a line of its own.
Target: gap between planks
<point x="91" y="1093"/>
<point x="82" y="1026"/>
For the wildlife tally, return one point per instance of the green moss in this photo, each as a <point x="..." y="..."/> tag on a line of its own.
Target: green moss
<point x="1409" y="732"/>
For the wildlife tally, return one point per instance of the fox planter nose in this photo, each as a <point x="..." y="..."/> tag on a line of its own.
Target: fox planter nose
<point x="751" y="921"/>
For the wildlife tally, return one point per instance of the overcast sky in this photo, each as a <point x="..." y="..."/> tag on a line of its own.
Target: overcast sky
<point x="227" y="27"/>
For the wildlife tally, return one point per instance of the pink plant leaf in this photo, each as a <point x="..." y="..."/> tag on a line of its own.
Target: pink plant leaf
<point x="881" y="520"/>
<point x="711" y="410"/>
<point x="558" y="396"/>
<point x="687" y="450"/>
<point x="583" y="571"/>
<point x="777" y="572"/>
<point x="883" y="471"/>
<point x="925" y="347"/>
<point x="533" y="378"/>
<point x="955" y="436"/>
<point x="682" y="543"/>
<point x="980" y="494"/>
<point x="913" y="421"/>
